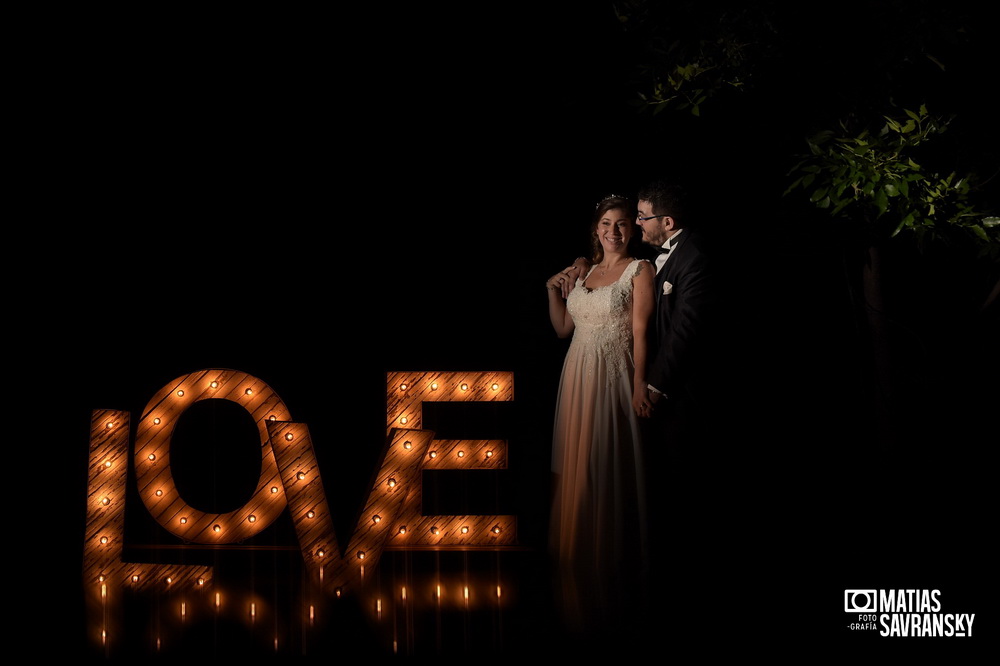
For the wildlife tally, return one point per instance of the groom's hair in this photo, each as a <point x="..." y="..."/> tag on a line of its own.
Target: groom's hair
<point x="667" y="199"/>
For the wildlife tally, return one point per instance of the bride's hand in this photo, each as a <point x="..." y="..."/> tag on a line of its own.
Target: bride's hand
<point x="641" y="402"/>
<point x="563" y="281"/>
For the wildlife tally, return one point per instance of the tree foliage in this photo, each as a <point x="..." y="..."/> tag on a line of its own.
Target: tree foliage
<point x="875" y="177"/>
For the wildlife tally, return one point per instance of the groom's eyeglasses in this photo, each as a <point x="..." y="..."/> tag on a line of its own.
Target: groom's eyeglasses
<point x="640" y="218"/>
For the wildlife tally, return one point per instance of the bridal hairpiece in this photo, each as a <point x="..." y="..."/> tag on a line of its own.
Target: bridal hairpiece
<point x="608" y="198"/>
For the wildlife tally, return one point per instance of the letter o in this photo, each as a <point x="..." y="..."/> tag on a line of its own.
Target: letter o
<point x="151" y="461"/>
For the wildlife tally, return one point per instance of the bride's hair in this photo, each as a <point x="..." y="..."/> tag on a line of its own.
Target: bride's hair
<point x="608" y="203"/>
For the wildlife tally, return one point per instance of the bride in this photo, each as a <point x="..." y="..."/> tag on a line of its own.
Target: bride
<point x="598" y="520"/>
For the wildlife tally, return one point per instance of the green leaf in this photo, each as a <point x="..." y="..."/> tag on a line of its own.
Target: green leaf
<point x="881" y="201"/>
<point x="912" y="115"/>
<point x="891" y="190"/>
<point x="908" y="127"/>
<point x="979" y="231"/>
<point x="818" y="194"/>
<point x="825" y="203"/>
<point x="807" y="180"/>
<point x="991" y="221"/>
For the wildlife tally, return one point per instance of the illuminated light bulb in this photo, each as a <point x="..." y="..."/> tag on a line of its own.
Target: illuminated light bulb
<point x="402" y="529"/>
<point x="249" y="391"/>
<point x="465" y="592"/>
<point x="201" y="581"/>
<point x="496" y="529"/>
<point x="465" y="529"/>
<point x="104" y="539"/>
<point x="495" y="386"/>
<point x="214" y="384"/>
<point x="274" y="489"/>
<point x="407" y="445"/>
<point x="402" y="419"/>
<point x="301" y="475"/>
<point x="498" y="591"/>
<point x="403" y="387"/>
<point x="100" y="578"/>
<point x="339" y="591"/>
<point x="156" y="421"/>
<point x="361" y="554"/>
<point x="252" y="518"/>
<point x="433" y="454"/>
<point x="218" y="597"/>
<point x="391" y="483"/>
<point x="159" y="493"/>
<point x="464" y="386"/>
<point x="437" y="590"/>
<point x="320" y="553"/>
<point x="216" y="528"/>
<point x="435" y="531"/>
<point x="151" y="456"/>
<point x="376" y="518"/>
<point x="111" y="424"/>
<point x="253" y="609"/>
<point x="107" y="463"/>
<point x="434" y="386"/>
<point x="461" y="454"/>
<point x="169" y="580"/>
<point x="289" y="436"/>
<point x="180" y="393"/>
<point x="310" y="514"/>
<point x="135" y="578"/>
<point x="272" y="417"/>
<point x="106" y="501"/>
<point x="489" y="454"/>
<point x="184" y="521"/>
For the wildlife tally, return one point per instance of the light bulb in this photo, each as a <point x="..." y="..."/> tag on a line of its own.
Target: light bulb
<point x="214" y="384"/>
<point x="252" y="518"/>
<point x="106" y="501"/>
<point x="464" y="386"/>
<point x="274" y="489"/>
<point x="434" y="386"/>
<point x="249" y="391"/>
<point x="104" y="539"/>
<point x="156" y="421"/>
<point x="201" y="581"/>
<point x="402" y="529"/>
<point x="376" y="518"/>
<point x="489" y="454"/>
<point x="152" y="456"/>
<point x="402" y="419"/>
<point x="433" y="454"/>
<point x="495" y="386"/>
<point x="111" y="424"/>
<point x="184" y="521"/>
<point x="496" y="529"/>
<point x="310" y="514"/>
<point x="180" y="393"/>
<point x="320" y="553"/>
<point x="289" y="436"/>
<point x="216" y="528"/>
<point x="407" y="445"/>
<point x="272" y="417"/>
<point x="402" y="387"/>
<point x="465" y="529"/>
<point x="159" y="493"/>
<point x="391" y="483"/>
<point x="435" y="530"/>
<point x="461" y="454"/>
<point x="361" y="554"/>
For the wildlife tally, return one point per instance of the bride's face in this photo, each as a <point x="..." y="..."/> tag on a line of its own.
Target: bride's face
<point x="614" y="230"/>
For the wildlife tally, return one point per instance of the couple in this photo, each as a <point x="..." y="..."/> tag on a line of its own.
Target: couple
<point x="636" y="326"/>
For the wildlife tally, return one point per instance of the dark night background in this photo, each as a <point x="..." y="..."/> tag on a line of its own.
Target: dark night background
<point x="317" y="200"/>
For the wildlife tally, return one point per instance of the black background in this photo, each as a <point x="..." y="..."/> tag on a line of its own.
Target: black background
<point x="320" y="199"/>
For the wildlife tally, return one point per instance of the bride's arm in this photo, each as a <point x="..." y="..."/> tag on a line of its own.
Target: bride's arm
<point x="561" y="320"/>
<point x="642" y="312"/>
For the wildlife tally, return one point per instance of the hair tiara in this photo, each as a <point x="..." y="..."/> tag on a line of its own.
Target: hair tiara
<point x="609" y="198"/>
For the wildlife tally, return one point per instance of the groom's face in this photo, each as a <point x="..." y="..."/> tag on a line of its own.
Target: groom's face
<point x="654" y="229"/>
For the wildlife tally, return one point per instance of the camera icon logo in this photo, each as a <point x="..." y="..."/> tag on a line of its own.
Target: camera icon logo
<point x="860" y="601"/>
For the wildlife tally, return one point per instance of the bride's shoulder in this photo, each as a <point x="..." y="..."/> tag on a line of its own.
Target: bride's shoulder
<point x="640" y="265"/>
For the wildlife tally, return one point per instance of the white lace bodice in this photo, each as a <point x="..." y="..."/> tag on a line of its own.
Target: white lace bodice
<point x="603" y="320"/>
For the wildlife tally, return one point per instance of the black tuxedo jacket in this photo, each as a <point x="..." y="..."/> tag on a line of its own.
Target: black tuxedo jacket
<point x="683" y="290"/>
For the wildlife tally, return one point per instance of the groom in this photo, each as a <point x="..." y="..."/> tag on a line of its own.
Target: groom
<point x="683" y="292"/>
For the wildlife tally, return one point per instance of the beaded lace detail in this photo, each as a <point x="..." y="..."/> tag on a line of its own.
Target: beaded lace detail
<point x="603" y="320"/>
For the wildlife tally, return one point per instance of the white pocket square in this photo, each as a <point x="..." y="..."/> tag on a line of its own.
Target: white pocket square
<point x="667" y="287"/>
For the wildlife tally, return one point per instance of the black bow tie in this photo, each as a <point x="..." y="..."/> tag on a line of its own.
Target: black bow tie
<point x="663" y="250"/>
